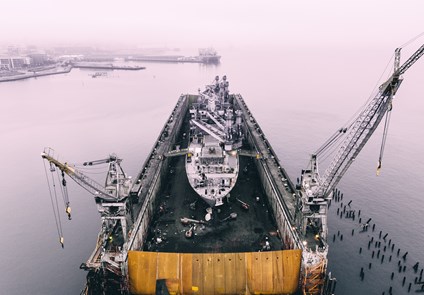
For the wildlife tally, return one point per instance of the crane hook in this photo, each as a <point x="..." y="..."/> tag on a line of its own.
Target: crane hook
<point x="63" y="179"/>
<point x="378" y="168"/>
<point x="68" y="211"/>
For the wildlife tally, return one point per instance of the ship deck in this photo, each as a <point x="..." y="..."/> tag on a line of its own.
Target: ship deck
<point x="248" y="232"/>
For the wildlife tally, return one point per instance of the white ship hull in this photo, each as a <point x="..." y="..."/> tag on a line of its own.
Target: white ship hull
<point x="211" y="171"/>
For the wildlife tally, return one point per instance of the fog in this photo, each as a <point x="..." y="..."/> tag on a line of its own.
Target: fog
<point x="193" y="23"/>
<point x="303" y="67"/>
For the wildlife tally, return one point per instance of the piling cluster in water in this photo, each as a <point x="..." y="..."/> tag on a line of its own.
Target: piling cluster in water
<point x="380" y="249"/>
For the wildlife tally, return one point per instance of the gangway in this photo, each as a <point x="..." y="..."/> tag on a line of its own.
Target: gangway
<point x="176" y="153"/>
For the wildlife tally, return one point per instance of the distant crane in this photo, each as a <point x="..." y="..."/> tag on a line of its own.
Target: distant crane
<point x="315" y="190"/>
<point x="110" y="198"/>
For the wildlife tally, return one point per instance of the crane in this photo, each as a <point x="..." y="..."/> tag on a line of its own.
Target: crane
<point x="315" y="189"/>
<point x="117" y="183"/>
<point x="111" y="198"/>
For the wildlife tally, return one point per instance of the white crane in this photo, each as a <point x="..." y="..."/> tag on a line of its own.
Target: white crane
<point x="315" y="189"/>
<point x="110" y="197"/>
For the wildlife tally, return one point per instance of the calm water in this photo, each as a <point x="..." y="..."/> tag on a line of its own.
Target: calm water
<point x="299" y="96"/>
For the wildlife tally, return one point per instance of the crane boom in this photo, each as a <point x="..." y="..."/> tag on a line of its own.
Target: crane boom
<point x="361" y="131"/>
<point x="365" y="125"/>
<point x="410" y="61"/>
<point x="114" y="178"/>
<point x="111" y="158"/>
<point x="112" y="203"/>
<point x="316" y="190"/>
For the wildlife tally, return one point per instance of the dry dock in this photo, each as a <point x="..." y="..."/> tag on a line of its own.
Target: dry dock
<point x="251" y="245"/>
<point x="164" y="197"/>
<point x="262" y="177"/>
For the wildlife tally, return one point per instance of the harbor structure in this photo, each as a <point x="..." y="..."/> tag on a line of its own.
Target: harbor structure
<point x="14" y="62"/>
<point x="206" y="56"/>
<point x="269" y="236"/>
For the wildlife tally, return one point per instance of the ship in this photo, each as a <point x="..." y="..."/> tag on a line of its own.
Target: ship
<point x="212" y="163"/>
<point x="205" y="56"/>
<point x="209" y="55"/>
<point x="99" y="74"/>
<point x="268" y="237"/>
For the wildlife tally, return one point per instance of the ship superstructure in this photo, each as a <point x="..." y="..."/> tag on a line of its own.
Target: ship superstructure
<point x="209" y="55"/>
<point x="212" y="163"/>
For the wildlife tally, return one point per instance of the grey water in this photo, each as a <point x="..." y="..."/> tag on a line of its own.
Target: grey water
<point x="299" y="96"/>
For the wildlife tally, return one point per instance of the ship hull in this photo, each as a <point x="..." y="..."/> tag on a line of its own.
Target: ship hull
<point x="212" y="183"/>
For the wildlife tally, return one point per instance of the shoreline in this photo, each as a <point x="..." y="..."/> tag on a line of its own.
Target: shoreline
<point x="63" y="70"/>
<point x="28" y="75"/>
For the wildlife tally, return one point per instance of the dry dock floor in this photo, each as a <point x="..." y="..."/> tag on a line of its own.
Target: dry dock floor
<point x="247" y="233"/>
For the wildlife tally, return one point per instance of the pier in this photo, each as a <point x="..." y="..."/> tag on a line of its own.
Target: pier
<point x="103" y="66"/>
<point x="55" y="70"/>
<point x="35" y="73"/>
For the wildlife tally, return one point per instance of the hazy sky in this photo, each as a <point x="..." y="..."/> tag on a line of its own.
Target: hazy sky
<point x="216" y="23"/>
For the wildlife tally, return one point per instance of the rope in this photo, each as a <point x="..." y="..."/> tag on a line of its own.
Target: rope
<point x="412" y="40"/>
<point x="330" y="147"/>
<point x="95" y="173"/>
<point x="335" y="147"/>
<point x="65" y="195"/>
<point x="383" y="141"/>
<point x="91" y="167"/>
<point x="372" y="95"/>
<point x="336" y="142"/>
<point x="55" y="212"/>
<point x="61" y="188"/>
<point x="334" y="138"/>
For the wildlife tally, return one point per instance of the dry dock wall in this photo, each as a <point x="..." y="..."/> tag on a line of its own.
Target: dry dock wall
<point x="274" y="272"/>
<point x="155" y="168"/>
<point x="276" y="183"/>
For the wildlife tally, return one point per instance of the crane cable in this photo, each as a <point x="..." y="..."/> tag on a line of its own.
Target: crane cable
<point x="343" y="131"/>
<point x="383" y="140"/>
<point x="325" y="149"/>
<point x="334" y="141"/>
<point x="412" y="40"/>
<point x="65" y="195"/>
<point x="55" y="208"/>
<point x="330" y="141"/>
<point x="389" y="113"/>
<point x="335" y="146"/>
<point x="372" y="95"/>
